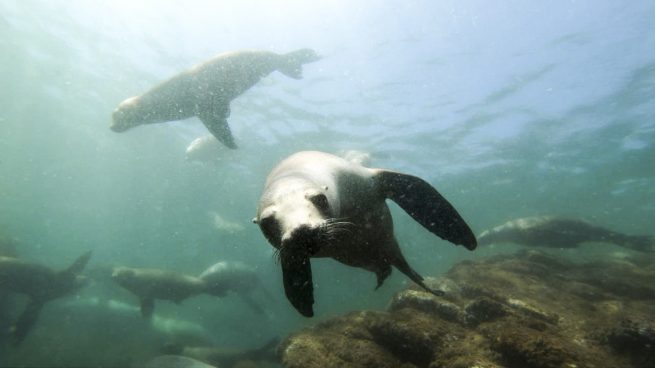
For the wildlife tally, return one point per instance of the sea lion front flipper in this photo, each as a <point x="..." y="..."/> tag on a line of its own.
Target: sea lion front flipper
<point x="298" y="284"/>
<point x="429" y="208"/>
<point x="26" y="321"/>
<point x="147" y="307"/>
<point x="382" y="275"/>
<point x="216" y="123"/>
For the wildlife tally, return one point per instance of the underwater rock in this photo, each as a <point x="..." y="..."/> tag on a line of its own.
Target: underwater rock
<point x="636" y="339"/>
<point x="427" y="303"/>
<point x="527" y="310"/>
<point x="520" y="346"/>
<point x="483" y="310"/>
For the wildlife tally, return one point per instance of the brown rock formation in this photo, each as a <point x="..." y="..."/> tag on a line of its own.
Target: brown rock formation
<point x="529" y="310"/>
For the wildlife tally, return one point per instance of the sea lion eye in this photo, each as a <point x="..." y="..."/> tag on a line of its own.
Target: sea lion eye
<point x="320" y="201"/>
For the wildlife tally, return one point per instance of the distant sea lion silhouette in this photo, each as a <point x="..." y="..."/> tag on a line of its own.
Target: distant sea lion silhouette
<point x="316" y="204"/>
<point x="149" y="284"/>
<point x="206" y="90"/>
<point x="176" y="361"/>
<point x="225" y="357"/>
<point x="205" y="149"/>
<point x="236" y="277"/>
<point x="41" y="284"/>
<point x="560" y="232"/>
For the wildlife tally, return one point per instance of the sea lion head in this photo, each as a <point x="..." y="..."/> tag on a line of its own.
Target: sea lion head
<point x="298" y="219"/>
<point x="293" y="61"/>
<point x="487" y="237"/>
<point x="126" y="115"/>
<point x="124" y="276"/>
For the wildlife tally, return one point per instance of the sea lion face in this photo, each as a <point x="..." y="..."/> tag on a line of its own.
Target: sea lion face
<point x="125" y="116"/>
<point x="298" y="220"/>
<point x="123" y="276"/>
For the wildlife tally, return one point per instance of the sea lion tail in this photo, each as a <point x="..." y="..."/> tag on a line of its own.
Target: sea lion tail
<point x="292" y="62"/>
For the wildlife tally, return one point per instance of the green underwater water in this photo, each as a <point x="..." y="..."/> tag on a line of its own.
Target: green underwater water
<point x="511" y="110"/>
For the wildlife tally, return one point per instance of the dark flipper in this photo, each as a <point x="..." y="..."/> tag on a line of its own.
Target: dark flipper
<point x="404" y="267"/>
<point x="147" y="307"/>
<point x="79" y="264"/>
<point x="217" y="125"/>
<point x="429" y="208"/>
<point x="26" y="321"/>
<point x="382" y="275"/>
<point x="298" y="285"/>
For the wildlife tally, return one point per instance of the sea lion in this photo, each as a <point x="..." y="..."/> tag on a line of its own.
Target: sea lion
<point x="560" y="232"/>
<point x="359" y="157"/>
<point x="236" y="277"/>
<point x="316" y="204"/>
<point x="226" y="357"/>
<point x="150" y="284"/>
<point x="176" y="361"/>
<point x="41" y="284"/>
<point x="206" y="90"/>
<point x="204" y="149"/>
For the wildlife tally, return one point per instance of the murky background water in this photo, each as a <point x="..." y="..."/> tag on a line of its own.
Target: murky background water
<point x="510" y="109"/>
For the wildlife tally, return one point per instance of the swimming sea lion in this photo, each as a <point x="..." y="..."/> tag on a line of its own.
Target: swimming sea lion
<point x="316" y="204"/>
<point x="205" y="149"/>
<point x="41" y="284"/>
<point x="150" y="284"/>
<point x="226" y="357"/>
<point x="552" y="231"/>
<point x="206" y="90"/>
<point x="236" y="277"/>
<point x="176" y="361"/>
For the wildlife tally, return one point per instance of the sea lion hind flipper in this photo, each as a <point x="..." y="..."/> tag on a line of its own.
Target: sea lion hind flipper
<point x="219" y="128"/>
<point x="147" y="307"/>
<point x="298" y="284"/>
<point x="429" y="208"/>
<point x="401" y="264"/>
<point x="26" y="321"/>
<point x="79" y="264"/>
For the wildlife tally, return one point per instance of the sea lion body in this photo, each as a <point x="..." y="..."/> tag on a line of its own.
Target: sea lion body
<point x="205" y="149"/>
<point x="560" y="232"/>
<point x="319" y="205"/>
<point x="225" y="277"/>
<point x="41" y="284"/>
<point x="151" y="284"/>
<point x="176" y="361"/>
<point x="207" y="89"/>
<point x="225" y="356"/>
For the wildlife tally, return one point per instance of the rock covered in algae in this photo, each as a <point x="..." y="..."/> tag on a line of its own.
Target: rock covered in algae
<point x="528" y="310"/>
